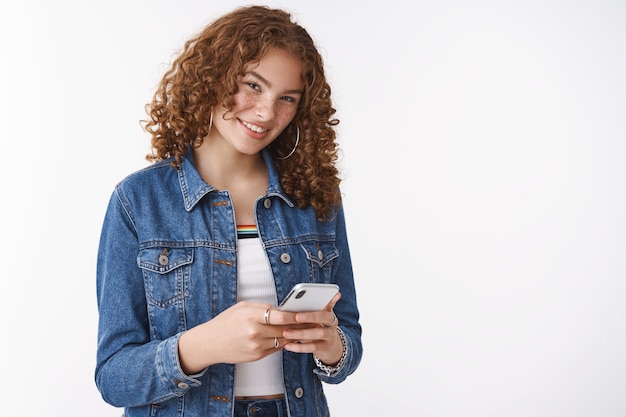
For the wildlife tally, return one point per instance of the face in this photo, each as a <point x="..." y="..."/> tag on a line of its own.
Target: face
<point x="266" y="102"/>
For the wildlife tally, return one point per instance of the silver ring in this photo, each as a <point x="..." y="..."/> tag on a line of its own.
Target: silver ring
<point x="266" y="316"/>
<point x="276" y="343"/>
<point x="333" y="323"/>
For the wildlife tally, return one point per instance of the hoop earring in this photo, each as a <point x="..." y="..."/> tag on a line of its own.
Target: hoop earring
<point x="294" y="146"/>
<point x="210" y="123"/>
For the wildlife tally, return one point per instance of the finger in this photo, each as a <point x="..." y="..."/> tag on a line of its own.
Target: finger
<point x="331" y="323"/>
<point x="327" y="317"/>
<point x="280" y="318"/>
<point x="332" y="302"/>
<point x="277" y="343"/>
<point x="266" y="315"/>
<point x="308" y="335"/>
<point x="301" y="347"/>
<point x="272" y="316"/>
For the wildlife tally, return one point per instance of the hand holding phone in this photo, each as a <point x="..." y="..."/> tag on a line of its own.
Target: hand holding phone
<point x="308" y="296"/>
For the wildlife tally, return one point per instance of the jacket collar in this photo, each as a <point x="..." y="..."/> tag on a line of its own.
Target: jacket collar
<point x="193" y="187"/>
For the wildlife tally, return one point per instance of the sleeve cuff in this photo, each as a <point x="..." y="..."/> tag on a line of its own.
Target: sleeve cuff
<point x="170" y="371"/>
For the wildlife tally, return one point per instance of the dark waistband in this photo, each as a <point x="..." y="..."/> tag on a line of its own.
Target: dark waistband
<point x="260" y="408"/>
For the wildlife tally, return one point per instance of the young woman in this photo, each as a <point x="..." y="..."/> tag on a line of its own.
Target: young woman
<point x="241" y="203"/>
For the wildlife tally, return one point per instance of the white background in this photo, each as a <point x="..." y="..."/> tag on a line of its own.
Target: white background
<point x="484" y="165"/>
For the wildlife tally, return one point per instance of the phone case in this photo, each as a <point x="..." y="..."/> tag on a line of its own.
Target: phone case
<point x="308" y="297"/>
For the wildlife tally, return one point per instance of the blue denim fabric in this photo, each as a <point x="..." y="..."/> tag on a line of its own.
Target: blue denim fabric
<point x="167" y="262"/>
<point x="260" y="408"/>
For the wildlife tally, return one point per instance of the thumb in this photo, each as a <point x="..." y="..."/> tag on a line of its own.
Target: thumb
<point x="332" y="302"/>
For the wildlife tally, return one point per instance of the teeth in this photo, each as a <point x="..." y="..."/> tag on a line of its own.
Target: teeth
<point x="254" y="128"/>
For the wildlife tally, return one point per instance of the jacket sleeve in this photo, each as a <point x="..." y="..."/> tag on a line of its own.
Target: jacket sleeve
<point x="131" y="369"/>
<point x="346" y="309"/>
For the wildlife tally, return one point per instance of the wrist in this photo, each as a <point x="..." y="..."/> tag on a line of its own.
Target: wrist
<point x="330" y="369"/>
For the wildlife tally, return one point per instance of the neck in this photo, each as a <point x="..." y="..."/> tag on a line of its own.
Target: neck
<point x="222" y="167"/>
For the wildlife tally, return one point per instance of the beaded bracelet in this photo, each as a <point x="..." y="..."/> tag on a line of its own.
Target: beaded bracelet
<point x="331" y="369"/>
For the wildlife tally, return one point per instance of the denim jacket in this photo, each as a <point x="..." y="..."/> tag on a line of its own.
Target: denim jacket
<point x="167" y="261"/>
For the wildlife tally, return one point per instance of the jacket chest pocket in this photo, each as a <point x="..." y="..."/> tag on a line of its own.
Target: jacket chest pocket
<point x="319" y="256"/>
<point x="166" y="274"/>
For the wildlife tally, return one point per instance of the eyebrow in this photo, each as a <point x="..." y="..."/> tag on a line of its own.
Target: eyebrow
<point x="266" y="82"/>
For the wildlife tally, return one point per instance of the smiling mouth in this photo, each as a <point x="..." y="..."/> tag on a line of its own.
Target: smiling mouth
<point x="254" y="128"/>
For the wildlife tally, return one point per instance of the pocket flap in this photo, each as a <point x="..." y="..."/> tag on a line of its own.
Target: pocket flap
<point x="164" y="260"/>
<point x="320" y="252"/>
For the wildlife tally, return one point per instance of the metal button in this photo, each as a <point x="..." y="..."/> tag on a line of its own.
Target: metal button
<point x="183" y="385"/>
<point x="267" y="203"/>
<point x="320" y="254"/>
<point x="285" y="258"/>
<point x="299" y="392"/>
<point x="163" y="260"/>
<point x="253" y="409"/>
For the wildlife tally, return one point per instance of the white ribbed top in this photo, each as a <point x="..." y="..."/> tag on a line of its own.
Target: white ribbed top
<point x="255" y="282"/>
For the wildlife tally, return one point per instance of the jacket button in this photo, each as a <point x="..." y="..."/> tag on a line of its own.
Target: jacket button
<point x="163" y="260"/>
<point x="183" y="385"/>
<point x="285" y="258"/>
<point x="267" y="203"/>
<point x="320" y="255"/>
<point x="299" y="392"/>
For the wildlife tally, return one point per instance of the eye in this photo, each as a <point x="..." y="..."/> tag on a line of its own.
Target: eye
<point x="289" y="99"/>
<point x="253" y="85"/>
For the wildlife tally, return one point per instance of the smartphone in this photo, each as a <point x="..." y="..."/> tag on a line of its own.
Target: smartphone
<point x="308" y="296"/>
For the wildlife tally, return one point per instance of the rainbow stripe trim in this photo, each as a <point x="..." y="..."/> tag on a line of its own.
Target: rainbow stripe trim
<point x="245" y="231"/>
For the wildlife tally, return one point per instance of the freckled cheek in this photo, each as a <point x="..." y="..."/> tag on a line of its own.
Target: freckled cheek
<point x="285" y="112"/>
<point x="244" y="101"/>
<point x="284" y="116"/>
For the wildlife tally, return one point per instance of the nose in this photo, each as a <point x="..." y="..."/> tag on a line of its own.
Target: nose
<point x="265" y="108"/>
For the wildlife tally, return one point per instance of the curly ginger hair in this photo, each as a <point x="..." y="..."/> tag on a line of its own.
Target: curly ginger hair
<point x="205" y="74"/>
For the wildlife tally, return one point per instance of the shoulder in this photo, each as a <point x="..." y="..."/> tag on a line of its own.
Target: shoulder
<point x="151" y="173"/>
<point x="152" y="180"/>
